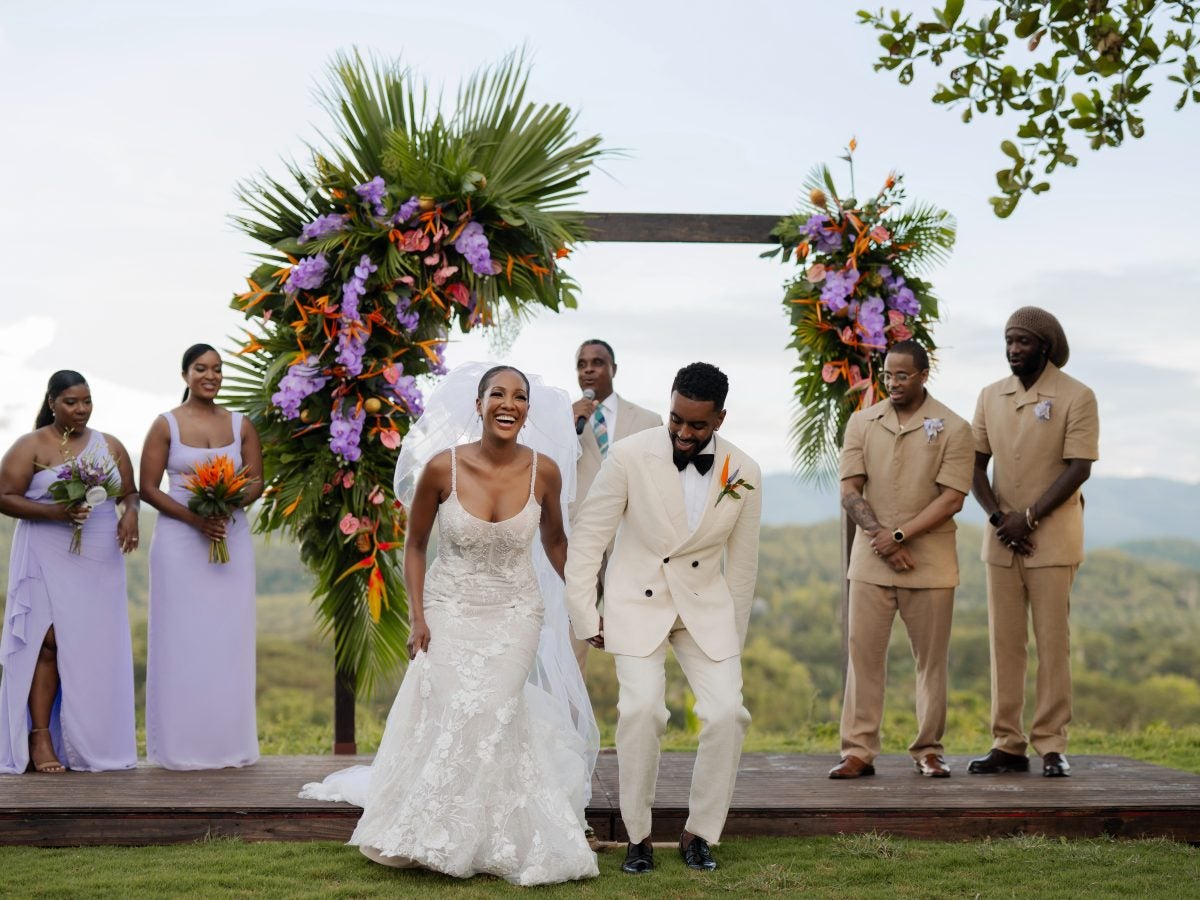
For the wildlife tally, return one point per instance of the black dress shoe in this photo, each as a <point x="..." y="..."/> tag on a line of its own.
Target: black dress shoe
<point x="1055" y="765"/>
<point x="639" y="858"/>
<point x="696" y="854"/>
<point x="998" y="761"/>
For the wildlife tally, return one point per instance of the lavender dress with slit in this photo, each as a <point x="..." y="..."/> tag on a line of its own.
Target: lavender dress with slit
<point x="83" y="596"/>
<point x="200" y="667"/>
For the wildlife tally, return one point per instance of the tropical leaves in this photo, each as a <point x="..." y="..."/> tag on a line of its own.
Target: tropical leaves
<point x="360" y="278"/>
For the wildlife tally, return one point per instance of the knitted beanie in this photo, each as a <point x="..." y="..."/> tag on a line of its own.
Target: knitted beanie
<point x="1043" y="324"/>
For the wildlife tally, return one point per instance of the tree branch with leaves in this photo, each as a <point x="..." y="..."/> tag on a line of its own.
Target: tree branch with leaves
<point x="1088" y="66"/>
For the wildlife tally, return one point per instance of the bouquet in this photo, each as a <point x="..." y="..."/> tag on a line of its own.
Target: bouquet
<point x="217" y="489"/>
<point x="83" y="481"/>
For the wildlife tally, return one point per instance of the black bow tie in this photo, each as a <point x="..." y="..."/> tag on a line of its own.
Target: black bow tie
<point x="702" y="461"/>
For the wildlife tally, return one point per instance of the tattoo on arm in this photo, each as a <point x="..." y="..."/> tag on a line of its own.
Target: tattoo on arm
<point x="860" y="511"/>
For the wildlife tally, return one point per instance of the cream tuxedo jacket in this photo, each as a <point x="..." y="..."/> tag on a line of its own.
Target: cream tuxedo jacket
<point x="631" y="419"/>
<point x="657" y="571"/>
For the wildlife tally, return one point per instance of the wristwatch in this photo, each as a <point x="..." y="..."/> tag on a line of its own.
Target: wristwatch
<point x="898" y="536"/>
<point x="994" y="518"/>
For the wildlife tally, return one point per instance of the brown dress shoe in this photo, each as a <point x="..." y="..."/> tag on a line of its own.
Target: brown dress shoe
<point x="932" y="766"/>
<point x="851" y="767"/>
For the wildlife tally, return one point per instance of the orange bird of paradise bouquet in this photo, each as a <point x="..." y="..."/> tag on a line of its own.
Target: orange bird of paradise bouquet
<point x="857" y="294"/>
<point x="217" y="488"/>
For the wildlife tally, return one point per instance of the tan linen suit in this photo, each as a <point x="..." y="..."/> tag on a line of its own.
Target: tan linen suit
<point x="631" y="419"/>
<point x="904" y="468"/>
<point x="1030" y="435"/>
<point x="666" y="585"/>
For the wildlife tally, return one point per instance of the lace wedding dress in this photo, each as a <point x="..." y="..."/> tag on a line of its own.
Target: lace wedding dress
<point x="478" y="771"/>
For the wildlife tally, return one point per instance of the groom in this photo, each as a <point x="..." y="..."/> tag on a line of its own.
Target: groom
<point x="685" y="511"/>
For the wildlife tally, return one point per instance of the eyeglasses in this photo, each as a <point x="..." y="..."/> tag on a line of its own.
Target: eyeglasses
<point x="900" y="377"/>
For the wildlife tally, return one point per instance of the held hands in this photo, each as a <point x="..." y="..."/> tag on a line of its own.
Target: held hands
<point x="598" y="640"/>
<point x="212" y="527"/>
<point x="895" y="555"/>
<point x="76" y="514"/>
<point x="418" y="639"/>
<point x="1014" y="532"/>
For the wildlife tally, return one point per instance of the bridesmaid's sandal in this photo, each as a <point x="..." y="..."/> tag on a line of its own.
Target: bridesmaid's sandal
<point x="47" y="767"/>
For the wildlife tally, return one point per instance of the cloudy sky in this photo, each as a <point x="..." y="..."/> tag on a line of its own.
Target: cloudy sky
<point x="127" y="126"/>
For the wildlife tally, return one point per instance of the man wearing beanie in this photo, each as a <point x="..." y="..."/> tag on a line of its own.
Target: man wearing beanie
<point x="1041" y="428"/>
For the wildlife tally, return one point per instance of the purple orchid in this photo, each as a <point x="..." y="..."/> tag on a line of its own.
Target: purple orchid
<point x="322" y="226"/>
<point x="406" y="211"/>
<point x="838" y="286"/>
<point x="346" y="432"/>
<point x="374" y="192"/>
<point x="472" y="243"/>
<point x="301" y="381"/>
<point x="308" y="274"/>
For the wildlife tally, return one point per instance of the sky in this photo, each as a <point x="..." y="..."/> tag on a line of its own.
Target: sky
<point x="127" y="127"/>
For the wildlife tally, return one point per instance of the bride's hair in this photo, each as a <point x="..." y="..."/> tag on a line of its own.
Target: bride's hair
<point x="491" y="373"/>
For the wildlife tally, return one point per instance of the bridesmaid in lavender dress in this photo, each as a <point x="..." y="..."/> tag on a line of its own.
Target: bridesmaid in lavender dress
<point x="66" y="694"/>
<point x="200" y="688"/>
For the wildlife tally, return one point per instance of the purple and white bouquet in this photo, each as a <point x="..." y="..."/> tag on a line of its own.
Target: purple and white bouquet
<point x="83" y="481"/>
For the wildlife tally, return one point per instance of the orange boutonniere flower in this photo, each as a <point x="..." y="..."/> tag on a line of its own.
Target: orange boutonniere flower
<point x="731" y="484"/>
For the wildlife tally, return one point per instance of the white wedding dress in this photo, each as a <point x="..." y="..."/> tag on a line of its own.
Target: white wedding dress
<point x="483" y="767"/>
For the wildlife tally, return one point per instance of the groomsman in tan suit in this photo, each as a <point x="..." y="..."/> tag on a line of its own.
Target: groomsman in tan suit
<point x="601" y="420"/>
<point x="1041" y="429"/>
<point x="906" y="469"/>
<point x="684" y="507"/>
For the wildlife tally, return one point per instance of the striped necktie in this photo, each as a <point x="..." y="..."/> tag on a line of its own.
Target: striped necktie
<point x="600" y="427"/>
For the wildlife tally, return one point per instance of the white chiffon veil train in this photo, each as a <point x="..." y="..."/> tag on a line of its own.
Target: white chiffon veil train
<point x="555" y="683"/>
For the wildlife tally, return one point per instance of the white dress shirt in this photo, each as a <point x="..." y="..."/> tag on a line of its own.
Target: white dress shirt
<point x="695" y="489"/>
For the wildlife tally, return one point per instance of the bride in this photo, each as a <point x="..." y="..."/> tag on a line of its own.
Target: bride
<point x="486" y="761"/>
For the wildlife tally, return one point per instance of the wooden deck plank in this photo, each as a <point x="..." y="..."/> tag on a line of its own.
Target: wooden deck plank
<point x="776" y="794"/>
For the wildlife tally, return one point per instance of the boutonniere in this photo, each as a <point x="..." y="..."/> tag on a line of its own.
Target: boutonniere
<point x="730" y="484"/>
<point x="933" y="427"/>
<point x="1042" y="410"/>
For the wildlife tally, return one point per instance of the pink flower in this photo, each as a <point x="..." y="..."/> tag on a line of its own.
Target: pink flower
<point x="348" y="480"/>
<point x="376" y="495"/>
<point x="390" y="439"/>
<point x="830" y="373"/>
<point x="413" y="241"/>
<point x="442" y="275"/>
<point x="433" y="259"/>
<point x="816" y="273"/>
<point x="391" y="374"/>
<point x="900" y="332"/>
<point x="880" y="234"/>
<point x="349" y="525"/>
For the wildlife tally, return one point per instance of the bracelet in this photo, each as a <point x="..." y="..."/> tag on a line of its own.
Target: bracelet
<point x="1029" y="519"/>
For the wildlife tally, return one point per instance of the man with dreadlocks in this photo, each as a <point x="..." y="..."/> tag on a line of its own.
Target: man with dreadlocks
<point x="1041" y="428"/>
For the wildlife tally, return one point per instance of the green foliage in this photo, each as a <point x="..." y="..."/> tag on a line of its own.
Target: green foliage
<point x="398" y="184"/>
<point x="1090" y="65"/>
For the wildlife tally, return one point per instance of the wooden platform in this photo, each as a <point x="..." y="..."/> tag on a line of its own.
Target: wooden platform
<point x="777" y="794"/>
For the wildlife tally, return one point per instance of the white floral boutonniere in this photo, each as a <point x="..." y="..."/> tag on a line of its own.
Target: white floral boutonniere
<point x="731" y="484"/>
<point x="1042" y="410"/>
<point x="933" y="427"/>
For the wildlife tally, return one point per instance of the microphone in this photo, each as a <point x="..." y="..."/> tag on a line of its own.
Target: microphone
<point x="588" y="394"/>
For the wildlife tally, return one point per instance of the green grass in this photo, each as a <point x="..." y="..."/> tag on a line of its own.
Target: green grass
<point x="865" y="866"/>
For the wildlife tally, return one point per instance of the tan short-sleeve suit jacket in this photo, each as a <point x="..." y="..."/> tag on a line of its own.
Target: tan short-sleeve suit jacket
<point x="904" y="467"/>
<point x="1030" y="435"/>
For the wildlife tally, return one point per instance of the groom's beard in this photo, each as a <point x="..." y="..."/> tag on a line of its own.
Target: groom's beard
<point x="682" y="457"/>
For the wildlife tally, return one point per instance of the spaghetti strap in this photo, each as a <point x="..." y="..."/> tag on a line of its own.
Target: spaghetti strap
<point x="533" y="476"/>
<point x="453" y="471"/>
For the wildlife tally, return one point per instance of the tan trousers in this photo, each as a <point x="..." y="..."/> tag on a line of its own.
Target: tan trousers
<point x="1014" y="593"/>
<point x="927" y="614"/>
<point x="642" y="719"/>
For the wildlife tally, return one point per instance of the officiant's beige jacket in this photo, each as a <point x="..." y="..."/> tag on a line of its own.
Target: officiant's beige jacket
<point x="631" y="419"/>
<point x="657" y="570"/>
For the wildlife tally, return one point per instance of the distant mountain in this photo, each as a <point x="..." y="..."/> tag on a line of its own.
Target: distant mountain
<point x="1118" y="511"/>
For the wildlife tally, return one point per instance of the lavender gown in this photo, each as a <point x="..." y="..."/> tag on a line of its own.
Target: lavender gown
<point x="200" y="666"/>
<point x="83" y="597"/>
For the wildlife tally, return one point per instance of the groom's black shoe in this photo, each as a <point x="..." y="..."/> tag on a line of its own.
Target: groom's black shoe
<point x="997" y="761"/>
<point x="696" y="854"/>
<point x="639" y="858"/>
